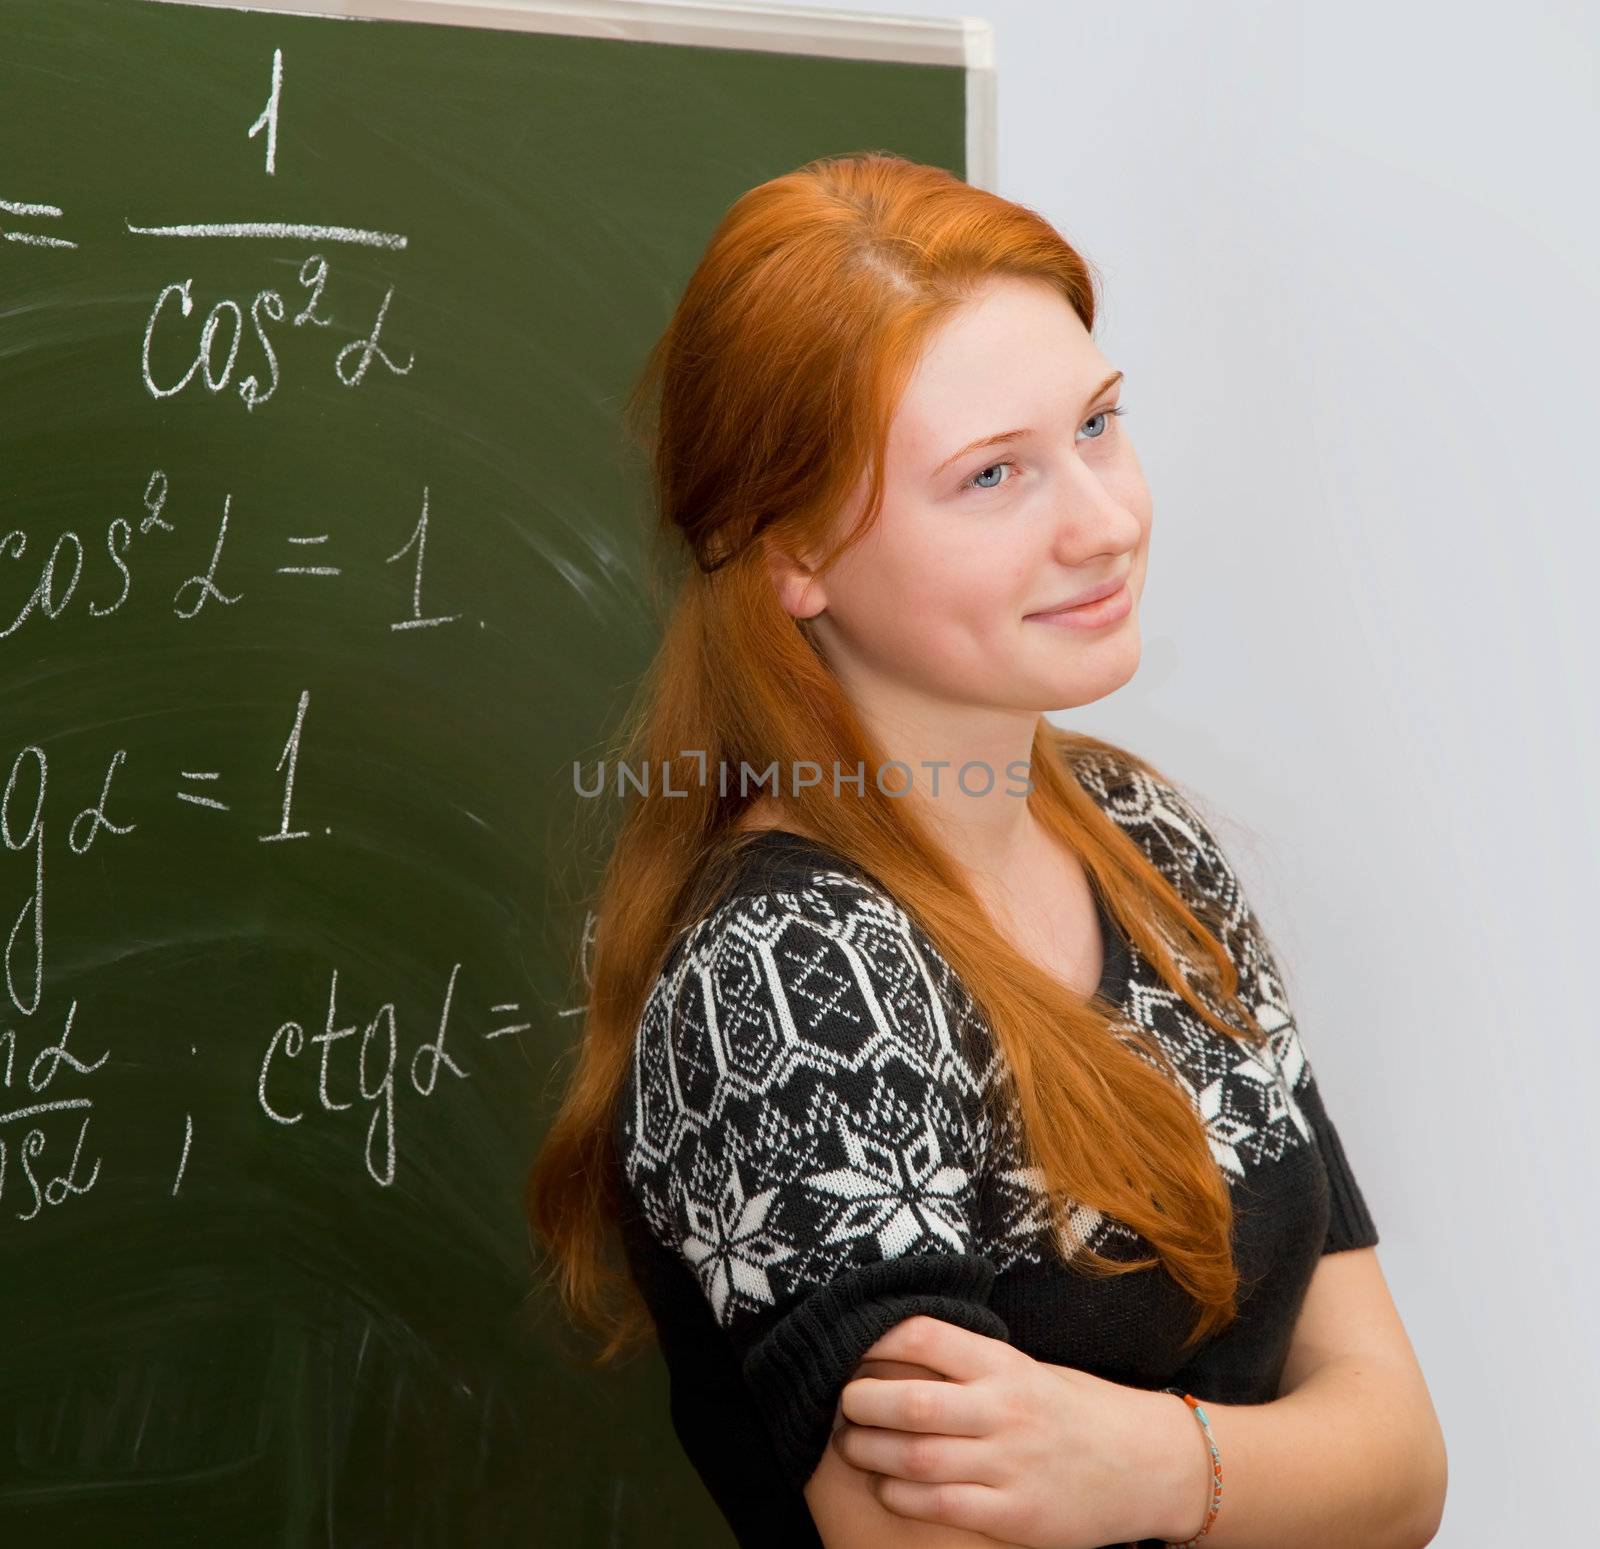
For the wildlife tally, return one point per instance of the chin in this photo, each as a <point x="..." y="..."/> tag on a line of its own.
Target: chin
<point x="1098" y="673"/>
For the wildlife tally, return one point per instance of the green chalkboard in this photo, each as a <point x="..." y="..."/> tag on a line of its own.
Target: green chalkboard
<point x="322" y="560"/>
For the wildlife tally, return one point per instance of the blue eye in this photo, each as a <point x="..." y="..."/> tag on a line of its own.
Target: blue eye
<point x="1104" y="414"/>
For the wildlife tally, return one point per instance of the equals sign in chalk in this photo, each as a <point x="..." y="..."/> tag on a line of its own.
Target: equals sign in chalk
<point x="309" y="569"/>
<point x="29" y="238"/>
<point x="200" y="801"/>
<point x="518" y="1027"/>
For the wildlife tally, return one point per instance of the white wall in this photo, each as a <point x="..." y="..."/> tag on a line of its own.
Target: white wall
<point x="1350" y="273"/>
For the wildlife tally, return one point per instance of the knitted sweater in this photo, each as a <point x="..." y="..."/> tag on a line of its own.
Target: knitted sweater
<point x="808" y="1160"/>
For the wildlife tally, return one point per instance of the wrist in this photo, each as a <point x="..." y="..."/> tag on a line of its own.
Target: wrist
<point x="1179" y="1470"/>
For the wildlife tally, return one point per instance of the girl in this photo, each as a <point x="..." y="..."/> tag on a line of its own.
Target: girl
<point x="937" y="1079"/>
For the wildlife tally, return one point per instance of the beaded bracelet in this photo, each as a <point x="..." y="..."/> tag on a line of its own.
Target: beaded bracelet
<point x="1216" y="1470"/>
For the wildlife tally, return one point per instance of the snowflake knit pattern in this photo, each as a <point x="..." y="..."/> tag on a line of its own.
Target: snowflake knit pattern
<point x="809" y="1158"/>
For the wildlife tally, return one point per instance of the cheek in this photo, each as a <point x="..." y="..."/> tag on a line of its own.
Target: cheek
<point x="968" y="593"/>
<point x="943" y="606"/>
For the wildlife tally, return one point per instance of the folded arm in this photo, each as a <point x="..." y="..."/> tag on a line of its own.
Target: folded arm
<point x="1349" y="1456"/>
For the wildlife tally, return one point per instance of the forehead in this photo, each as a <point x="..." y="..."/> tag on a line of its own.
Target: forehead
<point x="1016" y="354"/>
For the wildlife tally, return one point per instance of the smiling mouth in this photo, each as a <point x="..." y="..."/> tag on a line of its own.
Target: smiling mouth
<point x="1083" y="602"/>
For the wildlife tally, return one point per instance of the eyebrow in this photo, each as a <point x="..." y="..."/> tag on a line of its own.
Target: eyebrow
<point x="1012" y="435"/>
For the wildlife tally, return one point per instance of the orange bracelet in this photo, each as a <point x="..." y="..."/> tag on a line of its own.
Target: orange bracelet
<point x="1216" y="1470"/>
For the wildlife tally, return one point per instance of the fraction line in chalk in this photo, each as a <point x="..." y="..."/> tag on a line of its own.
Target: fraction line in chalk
<point x="303" y="229"/>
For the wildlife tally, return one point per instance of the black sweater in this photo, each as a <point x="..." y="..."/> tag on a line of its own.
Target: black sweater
<point x="808" y="1160"/>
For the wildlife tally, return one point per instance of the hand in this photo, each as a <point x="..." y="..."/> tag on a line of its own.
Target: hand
<point x="958" y="1428"/>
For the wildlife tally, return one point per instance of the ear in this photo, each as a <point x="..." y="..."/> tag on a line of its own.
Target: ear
<point x="800" y="590"/>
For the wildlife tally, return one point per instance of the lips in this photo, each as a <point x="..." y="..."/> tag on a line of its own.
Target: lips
<point x="1086" y="597"/>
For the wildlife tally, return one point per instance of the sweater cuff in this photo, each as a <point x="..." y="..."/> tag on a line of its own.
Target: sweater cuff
<point x="1350" y="1223"/>
<point x="797" y="1368"/>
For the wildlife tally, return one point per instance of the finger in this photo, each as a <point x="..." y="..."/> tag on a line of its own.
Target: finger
<point x="912" y="1404"/>
<point x="875" y="1368"/>
<point x="924" y="1459"/>
<point x="975" y="1507"/>
<point x="949" y="1349"/>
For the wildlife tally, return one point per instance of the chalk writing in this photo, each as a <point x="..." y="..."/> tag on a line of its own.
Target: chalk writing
<point x="32" y="238"/>
<point x="269" y="114"/>
<point x="210" y="345"/>
<point x="42" y="1070"/>
<point x="225" y="320"/>
<point x="369" y="1070"/>
<point x="63" y="569"/>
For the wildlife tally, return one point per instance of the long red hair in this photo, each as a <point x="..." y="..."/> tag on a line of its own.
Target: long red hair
<point x="760" y="408"/>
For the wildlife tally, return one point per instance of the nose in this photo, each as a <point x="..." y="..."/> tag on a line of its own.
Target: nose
<point x="1090" y="522"/>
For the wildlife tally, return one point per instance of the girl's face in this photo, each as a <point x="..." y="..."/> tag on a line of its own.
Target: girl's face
<point x="940" y="599"/>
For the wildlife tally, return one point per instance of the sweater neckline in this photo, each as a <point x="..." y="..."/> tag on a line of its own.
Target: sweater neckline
<point x="1116" y="968"/>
